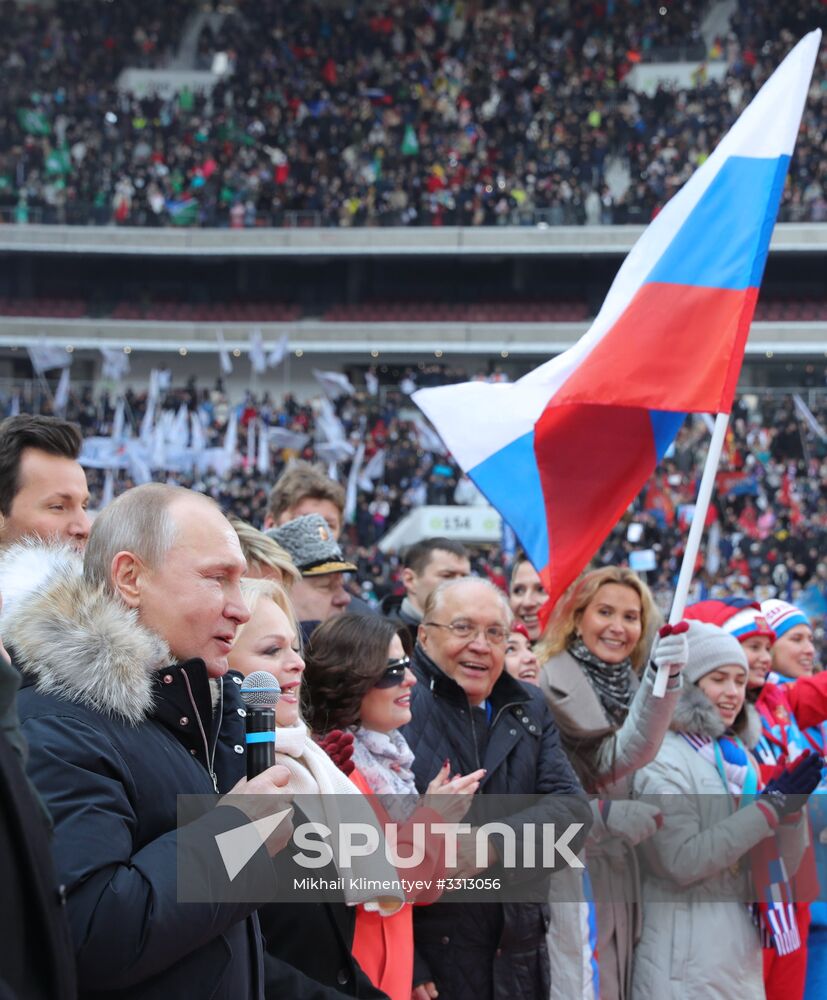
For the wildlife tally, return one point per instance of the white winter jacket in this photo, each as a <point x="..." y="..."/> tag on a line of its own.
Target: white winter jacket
<point x="699" y="938"/>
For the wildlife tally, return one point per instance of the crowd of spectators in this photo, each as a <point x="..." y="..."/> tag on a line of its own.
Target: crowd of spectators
<point x="494" y="112"/>
<point x="767" y="532"/>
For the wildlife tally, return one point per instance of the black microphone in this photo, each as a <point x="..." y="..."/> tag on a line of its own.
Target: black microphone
<point x="260" y="691"/>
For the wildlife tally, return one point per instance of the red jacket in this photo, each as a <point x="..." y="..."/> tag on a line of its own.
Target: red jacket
<point x="383" y="946"/>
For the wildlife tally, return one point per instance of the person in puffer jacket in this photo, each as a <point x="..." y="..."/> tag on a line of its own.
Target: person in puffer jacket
<point x="125" y="703"/>
<point x="726" y="847"/>
<point x="793" y="714"/>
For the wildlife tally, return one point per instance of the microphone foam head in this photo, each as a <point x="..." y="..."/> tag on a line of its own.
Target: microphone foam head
<point x="260" y="690"/>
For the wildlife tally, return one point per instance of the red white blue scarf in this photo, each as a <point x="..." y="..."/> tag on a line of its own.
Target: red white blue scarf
<point x="774" y="912"/>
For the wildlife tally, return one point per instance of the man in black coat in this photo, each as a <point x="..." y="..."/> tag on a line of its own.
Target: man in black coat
<point x="38" y="960"/>
<point x="466" y="709"/>
<point x="125" y="699"/>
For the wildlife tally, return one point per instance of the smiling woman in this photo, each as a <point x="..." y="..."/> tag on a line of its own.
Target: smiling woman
<point x="359" y="677"/>
<point x="269" y="641"/>
<point x="592" y="656"/>
<point x="301" y="935"/>
<point x="527" y="595"/>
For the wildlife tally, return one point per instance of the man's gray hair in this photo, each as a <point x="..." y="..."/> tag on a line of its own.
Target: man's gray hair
<point x="435" y="598"/>
<point x="138" y="521"/>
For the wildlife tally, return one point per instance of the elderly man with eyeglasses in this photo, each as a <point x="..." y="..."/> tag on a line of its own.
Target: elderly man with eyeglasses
<point x="468" y="710"/>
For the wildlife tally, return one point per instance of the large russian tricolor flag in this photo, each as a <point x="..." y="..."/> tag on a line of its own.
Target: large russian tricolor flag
<point x="563" y="451"/>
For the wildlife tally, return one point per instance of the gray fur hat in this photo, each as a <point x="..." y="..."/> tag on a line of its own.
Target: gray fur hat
<point x="312" y="547"/>
<point x="710" y="647"/>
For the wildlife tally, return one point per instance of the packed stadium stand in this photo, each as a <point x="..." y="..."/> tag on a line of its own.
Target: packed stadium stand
<point x="492" y="113"/>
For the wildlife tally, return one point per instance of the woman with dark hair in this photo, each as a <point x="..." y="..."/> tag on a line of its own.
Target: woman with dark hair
<point x="358" y="678"/>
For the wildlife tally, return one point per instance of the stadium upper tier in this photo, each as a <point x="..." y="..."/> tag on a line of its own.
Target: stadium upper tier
<point x="363" y="115"/>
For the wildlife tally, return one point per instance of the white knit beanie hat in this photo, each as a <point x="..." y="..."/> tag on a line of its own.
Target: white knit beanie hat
<point x="710" y="647"/>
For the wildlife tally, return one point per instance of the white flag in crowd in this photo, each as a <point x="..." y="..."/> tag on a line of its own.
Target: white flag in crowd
<point x="138" y="465"/>
<point x="118" y="420"/>
<point x="224" y="355"/>
<point x="375" y="469"/>
<point x="154" y="390"/>
<point x="426" y="437"/>
<point x="147" y="422"/>
<point x="45" y="356"/>
<point x="115" y="363"/>
<point x="251" y="443"/>
<point x="100" y="453"/>
<point x="62" y="392"/>
<point x="197" y="440"/>
<point x="328" y="423"/>
<point x="808" y="417"/>
<point x="278" y="352"/>
<point x="158" y="458"/>
<point x="334" y="384"/>
<point x="333" y="452"/>
<point x="372" y="383"/>
<point x="179" y="432"/>
<point x="231" y="435"/>
<point x="352" y="483"/>
<point x="263" y="457"/>
<point x="258" y="359"/>
<point x="108" y="489"/>
<point x="280" y="437"/>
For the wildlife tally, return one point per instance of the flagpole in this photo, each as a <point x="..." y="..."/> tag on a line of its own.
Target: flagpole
<point x="696" y="530"/>
<point x="804" y="445"/>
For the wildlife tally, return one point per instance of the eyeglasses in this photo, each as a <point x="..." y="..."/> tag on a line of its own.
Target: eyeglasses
<point x="494" y="634"/>
<point x="394" y="674"/>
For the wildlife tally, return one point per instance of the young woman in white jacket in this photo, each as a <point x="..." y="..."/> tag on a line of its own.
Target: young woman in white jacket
<point x="724" y="842"/>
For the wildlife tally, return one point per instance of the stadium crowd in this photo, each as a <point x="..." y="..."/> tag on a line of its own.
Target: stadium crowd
<point x="770" y="509"/>
<point x="446" y="114"/>
<point x="141" y="645"/>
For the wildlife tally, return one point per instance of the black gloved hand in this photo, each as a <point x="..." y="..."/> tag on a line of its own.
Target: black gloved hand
<point x="789" y="791"/>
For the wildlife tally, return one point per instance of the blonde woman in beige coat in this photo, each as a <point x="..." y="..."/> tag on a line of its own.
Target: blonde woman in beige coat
<point x="599" y="688"/>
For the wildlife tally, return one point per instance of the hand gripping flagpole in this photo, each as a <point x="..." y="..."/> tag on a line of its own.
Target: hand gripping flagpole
<point x="693" y="542"/>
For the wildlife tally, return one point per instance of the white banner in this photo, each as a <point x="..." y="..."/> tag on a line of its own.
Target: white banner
<point x="263" y="456"/>
<point x="44" y="357"/>
<point x="808" y="417"/>
<point x="291" y="440"/>
<point x="278" y="352"/>
<point x="258" y="359"/>
<point x="224" y="355"/>
<point x="334" y="384"/>
<point x="62" y="392"/>
<point x="115" y="363"/>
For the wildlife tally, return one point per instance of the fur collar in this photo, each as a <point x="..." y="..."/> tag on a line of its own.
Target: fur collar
<point x="76" y="641"/>
<point x="695" y="713"/>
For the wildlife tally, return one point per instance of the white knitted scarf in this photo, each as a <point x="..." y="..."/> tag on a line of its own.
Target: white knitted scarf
<point x="315" y="777"/>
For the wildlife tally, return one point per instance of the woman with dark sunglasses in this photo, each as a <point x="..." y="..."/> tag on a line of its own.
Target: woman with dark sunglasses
<point x="358" y="679"/>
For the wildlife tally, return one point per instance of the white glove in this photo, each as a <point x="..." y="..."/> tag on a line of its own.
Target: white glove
<point x="633" y="821"/>
<point x="672" y="648"/>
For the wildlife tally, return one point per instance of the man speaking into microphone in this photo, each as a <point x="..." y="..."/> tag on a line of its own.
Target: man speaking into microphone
<point x="126" y="704"/>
